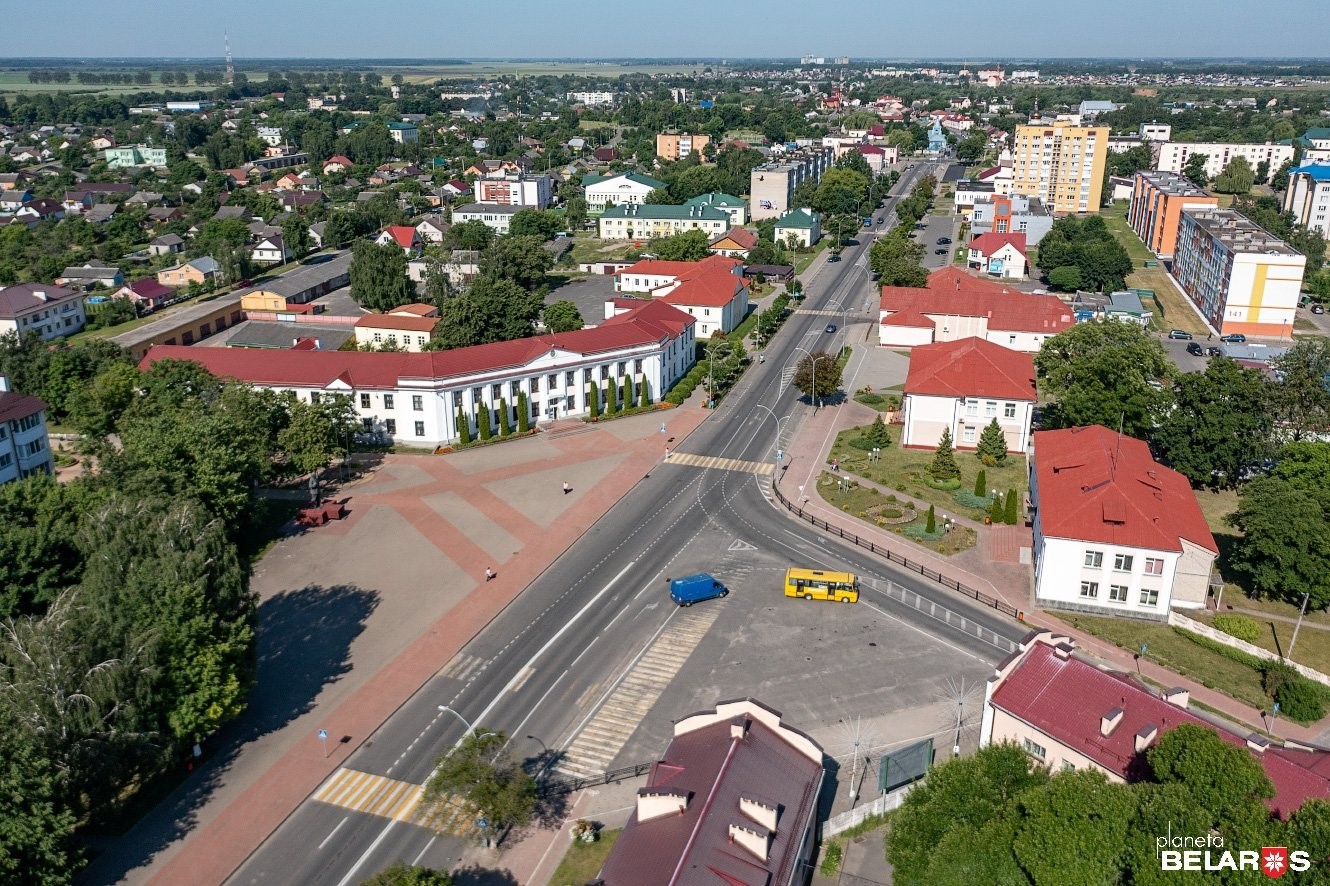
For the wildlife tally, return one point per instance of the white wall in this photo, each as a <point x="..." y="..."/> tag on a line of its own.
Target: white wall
<point x="1060" y="568"/>
<point x="1173" y="155"/>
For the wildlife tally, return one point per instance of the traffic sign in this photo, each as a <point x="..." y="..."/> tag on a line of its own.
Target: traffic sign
<point x="482" y="822"/>
<point x="323" y="735"/>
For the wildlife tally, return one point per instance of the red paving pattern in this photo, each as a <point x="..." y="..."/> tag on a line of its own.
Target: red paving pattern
<point x="1002" y="544"/>
<point x="216" y="849"/>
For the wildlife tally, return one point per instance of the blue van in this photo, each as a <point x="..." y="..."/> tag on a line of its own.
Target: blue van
<point x="694" y="588"/>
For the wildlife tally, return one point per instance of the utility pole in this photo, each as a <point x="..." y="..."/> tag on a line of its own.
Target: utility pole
<point x="1301" y="612"/>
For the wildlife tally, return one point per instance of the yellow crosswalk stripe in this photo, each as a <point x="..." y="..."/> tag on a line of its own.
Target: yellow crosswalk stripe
<point x="720" y="463"/>
<point x="399" y="800"/>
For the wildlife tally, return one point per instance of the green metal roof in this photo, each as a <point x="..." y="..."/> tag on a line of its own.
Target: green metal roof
<point x="637" y="177"/>
<point x="796" y="218"/>
<point x="715" y="198"/>
<point x="653" y="211"/>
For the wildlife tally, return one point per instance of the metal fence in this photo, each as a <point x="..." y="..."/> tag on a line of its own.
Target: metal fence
<point x="927" y="607"/>
<point x="899" y="559"/>
<point x="555" y="786"/>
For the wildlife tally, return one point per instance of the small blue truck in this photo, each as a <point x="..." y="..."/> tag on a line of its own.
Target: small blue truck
<point x="694" y="588"/>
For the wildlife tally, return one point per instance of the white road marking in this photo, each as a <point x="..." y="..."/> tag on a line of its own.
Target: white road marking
<point x="334" y="830"/>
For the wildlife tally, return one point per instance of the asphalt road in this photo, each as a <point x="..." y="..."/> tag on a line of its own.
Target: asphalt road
<point x="544" y="664"/>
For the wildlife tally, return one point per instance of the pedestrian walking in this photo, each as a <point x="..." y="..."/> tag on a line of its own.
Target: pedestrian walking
<point x="566" y="488"/>
<point x="489" y="574"/>
<point x="667" y="453"/>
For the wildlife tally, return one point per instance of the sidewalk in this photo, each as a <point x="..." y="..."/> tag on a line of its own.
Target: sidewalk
<point x="1010" y="583"/>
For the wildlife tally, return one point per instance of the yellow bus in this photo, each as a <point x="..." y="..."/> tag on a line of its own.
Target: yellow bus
<point x="814" y="584"/>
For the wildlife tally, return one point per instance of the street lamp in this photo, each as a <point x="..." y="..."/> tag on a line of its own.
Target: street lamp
<point x="813" y="398"/>
<point x="776" y="441"/>
<point x="469" y="728"/>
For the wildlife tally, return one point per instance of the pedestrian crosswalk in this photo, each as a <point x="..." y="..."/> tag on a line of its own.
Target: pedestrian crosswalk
<point x="821" y="312"/>
<point x="600" y="740"/>
<point x="398" y="800"/>
<point x="718" y="463"/>
<point x="462" y="666"/>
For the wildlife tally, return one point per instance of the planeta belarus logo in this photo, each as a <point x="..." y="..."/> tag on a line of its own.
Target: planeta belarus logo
<point x="1274" y="861"/>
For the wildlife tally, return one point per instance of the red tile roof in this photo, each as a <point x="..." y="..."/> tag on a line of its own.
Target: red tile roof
<point x="405" y="235"/>
<point x="989" y="243"/>
<point x="871" y="149"/>
<point x="989" y="172"/>
<point x="148" y="288"/>
<point x="952" y="292"/>
<point x="952" y="277"/>
<point x="1066" y="698"/>
<point x="742" y="238"/>
<point x="15" y="406"/>
<point x="971" y="367"/>
<point x="679" y="269"/>
<point x="1096" y="485"/>
<point x="714" y="289"/>
<point x="403" y="322"/>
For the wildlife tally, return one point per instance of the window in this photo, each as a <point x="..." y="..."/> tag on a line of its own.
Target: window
<point x="535" y="384"/>
<point x="1122" y="563"/>
<point x="6" y="459"/>
<point x="586" y="377"/>
<point x="1034" y="750"/>
<point x="35" y="447"/>
<point x="967" y="434"/>
<point x="514" y="388"/>
<point x="990" y="409"/>
<point x="604" y="373"/>
<point x="313" y="396"/>
<point x="622" y="366"/>
<point x="1090" y="590"/>
<point x="457" y="399"/>
<point x="367" y="424"/>
<point x="390" y="426"/>
<point x="378" y="337"/>
<point x="1154" y="566"/>
<point x="1149" y="597"/>
<point x="364" y="401"/>
<point x="1117" y="593"/>
<point x="496" y="392"/>
<point x="554" y="380"/>
<point x="637" y="367"/>
<point x="1094" y="559"/>
<point x="571" y="404"/>
<point x="972" y="407"/>
<point x="387" y="401"/>
<point x="420" y="429"/>
<point x="1011" y="340"/>
<point x="1009" y="410"/>
<point x="1068" y="766"/>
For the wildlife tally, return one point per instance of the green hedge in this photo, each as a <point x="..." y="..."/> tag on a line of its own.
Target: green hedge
<point x="1239" y="626"/>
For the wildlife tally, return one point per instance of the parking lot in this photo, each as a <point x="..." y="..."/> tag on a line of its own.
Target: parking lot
<point x="589" y="293"/>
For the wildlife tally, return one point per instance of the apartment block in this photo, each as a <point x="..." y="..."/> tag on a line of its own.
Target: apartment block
<point x="772" y="184"/>
<point x="25" y="448"/>
<point x="1157" y="201"/>
<point x="1011" y="215"/>
<point x="1239" y="276"/>
<point x="1308" y="196"/>
<point x="135" y="155"/>
<point x="1061" y="164"/>
<point x="529" y="191"/>
<point x="1173" y="156"/>
<point x="676" y="146"/>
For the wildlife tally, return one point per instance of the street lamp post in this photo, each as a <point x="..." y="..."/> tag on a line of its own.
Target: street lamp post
<point x="813" y="398"/>
<point x="1301" y="613"/>
<point x="776" y="441"/>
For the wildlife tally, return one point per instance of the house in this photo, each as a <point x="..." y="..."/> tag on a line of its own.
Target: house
<point x="803" y="226"/>
<point x="199" y="271"/>
<point x="999" y="255"/>
<point x="1124" y="306"/>
<point x="432" y="229"/>
<point x="94" y="273"/>
<point x="270" y="250"/>
<point x="605" y="155"/>
<point x="167" y="244"/>
<point x="1068" y="713"/>
<point x="605" y="191"/>
<point x="25" y="448"/>
<point x="633" y="221"/>
<point x="100" y="213"/>
<point x="40" y="309"/>
<point x="493" y="215"/>
<point x="712" y="291"/>
<point x="418" y="398"/>
<point x="733" y="800"/>
<point x="12" y="201"/>
<point x="337" y="163"/>
<point x="1115" y="532"/>
<point x="144" y="198"/>
<point x="734" y="243"/>
<point x="404" y="236"/>
<point x="42" y="209"/>
<point x="160" y="215"/>
<point x="316" y="234"/>
<point x="404" y="331"/>
<point x="146" y="294"/>
<point x="963" y="386"/>
<point x="1013" y="213"/>
<point x="298" y="200"/>
<point x="517" y="189"/>
<point x="403" y="133"/>
<point x="457" y="188"/>
<point x="736" y="207"/>
<point x="957" y="305"/>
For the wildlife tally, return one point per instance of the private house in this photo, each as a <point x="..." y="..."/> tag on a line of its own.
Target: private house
<point x="337" y="163"/>
<point x="270" y="250"/>
<point x="40" y="309"/>
<point x="605" y="191"/>
<point x="1115" y="532"/>
<point x="404" y="236"/>
<point x="94" y="273"/>
<point x="405" y="331"/>
<point x="734" y="243"/>
<point x="41" y="209"/>
<point x="432" y="229"/>
<point x="999" y="255"/>
<point x="733" y="800"/>
<point x="12" y="201"/>
<point x="201" y="270"/>
<point x="632" y="221"/>
<point x="956" y="305"/>
<point x="167" y="244"/>
<point x="1068" y="713"/>
<point x="146" y="294"/>
<point x="803" y="225"/>
<point x="963" y="386"/>
<point x="25" y="448"/>
<point x="418" y="398"/>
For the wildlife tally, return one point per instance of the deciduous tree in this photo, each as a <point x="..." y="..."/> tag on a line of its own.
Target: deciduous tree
<point x="523" y="260"/>
<point x="1282" y="552"/>
<point x="379" y="280"/>
<point x="488" y="311"/>
<point x="818" y="375"/>
<point x="562" y="316"/>
<point x="1220" y="424"/>
<point x="1103" y="373"/>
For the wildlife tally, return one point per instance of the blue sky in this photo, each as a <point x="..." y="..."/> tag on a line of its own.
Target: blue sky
<point x="974" y="29"/>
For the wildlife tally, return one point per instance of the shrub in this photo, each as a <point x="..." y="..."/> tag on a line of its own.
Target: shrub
<point x="523" y="413"/>
<point x="1239" y="626"/>
<point x="483" y="420"/>
<point x="861" y="443"/>
<point x="997" y="511"/>
<point x="593" y="399"/>
<point x="1302" y="699"/>
<point x="877" y="435"/>
<point x="978" y="502"/>
<point x="947" y="485"/>
<point x="931" y="526"/>
<point x="644" y="396"/>
<point x="505" y="425"/>
<point x="981" y="485"/>
<point x="463" y="428"/>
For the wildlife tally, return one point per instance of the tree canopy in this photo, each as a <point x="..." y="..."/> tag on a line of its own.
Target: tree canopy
<point x="1105" y="373"/>
<point x="818" y="375"/>
<point x="1219" y="425"/>
<point x="379" y="280"/>
<point x="1089" y="246"/>
<point x="488" y="311"/>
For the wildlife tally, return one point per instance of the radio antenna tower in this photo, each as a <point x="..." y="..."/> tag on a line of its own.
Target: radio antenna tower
<point x="230" y="63"/>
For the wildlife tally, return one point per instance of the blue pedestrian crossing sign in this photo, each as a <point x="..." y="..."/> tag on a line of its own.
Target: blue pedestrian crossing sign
<point x="323" y="735"/>
<point x="482" y="822"/>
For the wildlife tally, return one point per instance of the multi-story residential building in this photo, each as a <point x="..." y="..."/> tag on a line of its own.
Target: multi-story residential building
<point x="418" y="398"/>
<point x="496" y="216"/>
<point x="804" y="225"/>
<point x="604" y="191"/>
<point x="1061" y="164"/>
<point x="1115" y="532"/>
<point x="771" y="185"/>
<point x="1157" y="201"/>
<point x="962" y="387"/>
<point x="24" y="446"/>
<point x="270" y="135"/>
<point x="645" y="221"/>
<point x="530" y="191"/>
<point x="591" y="98"/>
<point x="1315" y="144"/>
<point x="40" y="309"/>
<point x="1155" y="132"/>
<point x="1238" y="276"/>
<point x="956" y="305"/>
<point x="1173" y="156"/>
<point x="1012" y="214"/>
<point x="128" y="156"/>
<point x="1308" y="196"/>
<point x="403" y="133"/>
<point x="677" y="146"/>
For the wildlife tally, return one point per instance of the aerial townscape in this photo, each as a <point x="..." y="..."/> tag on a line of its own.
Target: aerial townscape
<point x="434" y="460"/>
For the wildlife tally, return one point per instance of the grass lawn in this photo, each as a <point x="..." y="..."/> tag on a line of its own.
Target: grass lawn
<point x="904" y="470"/>
<point x="1173" y="650"/>
<point x="1313" y="649"/>
<point x="803" y="259"/>
<point x="882" y="402"/>
<point x="583" y="860"/>
<point x="871" y="506"/>
<point x="587" y="247"/>
<point x="1173" y="310"/>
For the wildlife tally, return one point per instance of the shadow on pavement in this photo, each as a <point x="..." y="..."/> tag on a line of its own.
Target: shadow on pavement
<point x="304" y="644"/>
<point x="474" y="875"/>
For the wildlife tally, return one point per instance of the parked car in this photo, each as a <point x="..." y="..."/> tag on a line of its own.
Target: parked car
<point x="1179" y="333"/>
<point x="695" y="588"/>
<point x="833" y="257"/>
<point x="943" y="240"/>
<point x="1318" y="308"/>
<point x="1195" y="349"/>
<point x="1213" y="351"/>
<point x="831" y="327"/>
<point x="942" y="251"/>
<point x="1235" y="338"/>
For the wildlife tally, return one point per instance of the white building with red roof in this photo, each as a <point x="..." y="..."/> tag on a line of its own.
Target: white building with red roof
<point x="405" y="331"/>
<point x="1115" y="532"/>
<point x="956" y="305"/>
<point x="1068" y="714"/>
<point x="999" y="255"/>
<point x="404" y="236"/>
<point x="711" y="290"/>
<point x="147" y="293"/>
<point x="417" y="398"/>
<point x="963" y="386"/>
<point x="24" y="446"/>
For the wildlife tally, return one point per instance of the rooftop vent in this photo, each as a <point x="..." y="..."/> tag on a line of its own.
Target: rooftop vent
<point x="1109" y="721"/>
<point x="1145" y="735"/>
<point x="656" y="803"/>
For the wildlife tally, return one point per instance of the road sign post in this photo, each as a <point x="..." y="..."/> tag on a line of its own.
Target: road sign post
<point x="323" y="739"/>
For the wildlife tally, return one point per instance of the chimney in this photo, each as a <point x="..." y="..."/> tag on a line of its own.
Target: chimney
<point x="1178" y="696"/>
<point x="1145" y="735"/>
<point x="1063" y="650"/>
<point x="739" y="728"/>
<point x="1110" y="721"/>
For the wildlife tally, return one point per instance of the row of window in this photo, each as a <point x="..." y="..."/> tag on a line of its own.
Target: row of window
<point x="990" y="408"/>
<point x="1123" y="562"/>
<point x="1118" y="593"/>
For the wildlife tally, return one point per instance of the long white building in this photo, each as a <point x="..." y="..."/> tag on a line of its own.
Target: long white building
<point x="1173" y="156"/>
<point x="417" y="398"/>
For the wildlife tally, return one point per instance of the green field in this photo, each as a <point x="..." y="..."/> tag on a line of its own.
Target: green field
<point x="428" y="74"/>
<point x="16" y="82"/>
